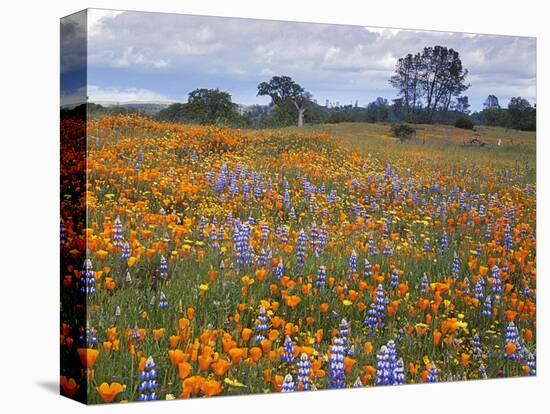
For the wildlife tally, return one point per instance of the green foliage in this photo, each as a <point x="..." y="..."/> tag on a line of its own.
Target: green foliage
<point x="173" y="113"/>
<point x="97" y="109"/>
<point x="522" y="115"/>
<point x="464" y="123"/>
<point x="204" y="106"/>
<point x="404" y="132"/>
<point x="286" y="95"/>
<point x="494" y="117"/>
<point x="280" y="89"/>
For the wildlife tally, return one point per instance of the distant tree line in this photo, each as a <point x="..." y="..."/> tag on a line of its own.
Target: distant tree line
<point x="519" y="114"/>
<point x="430" y="88"/>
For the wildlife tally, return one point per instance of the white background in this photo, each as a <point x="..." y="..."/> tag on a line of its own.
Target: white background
<point x="29" y="96"/>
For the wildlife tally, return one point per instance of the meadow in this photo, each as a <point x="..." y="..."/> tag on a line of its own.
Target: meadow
<point x="223" y="261"/>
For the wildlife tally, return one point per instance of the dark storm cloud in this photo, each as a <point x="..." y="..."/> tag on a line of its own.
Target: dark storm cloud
<point x="73" y="58"/>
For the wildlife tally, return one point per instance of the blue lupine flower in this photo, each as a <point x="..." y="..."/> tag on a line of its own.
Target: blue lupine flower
<point x="163" y="268"/>
<point x="482" y="371"/>
<point x="265" y="231"/>
<point x="508" y="240"/>
<point x="287" y="198"/>
<point x="62" y="232"/>
<point x="344" y="333"/>
<point x="388" y="249"/>
<point x="512" y="337"/>
<point x="125" y="254"/>
<point x="288" y="384"/>
<point x="353" y="262"/>
<point x="163" y="302"/>
<point x="262" y="325"/>
<point x="322" y="238"/>
<point x="377" y="310"/>
<point x="88" y="281"/>
<point x="301" y="250"/>
<point x="222" y="179"/>
<point x="336" y="373"/>
<point x="488" y="231"/>
<point x="477" y="351"/>
<point x="424" y="284"/>
<point x="386" y="231"/>
<point x="368" y="270"/>
<point x="284" y="234"/>
<point x="241" y="238"/>
<point x="312" y="205"/>
<point x="213" y="236"/>
<point x="487" y="307"/>
<point x="202" y="227"/>
<point x="432" y="373"/>
<point x="321" y="276"/>
<point x="444" y="242"/>
<point x="400" y="372"/>
<point x="456" y="266"/>
<point x="88" y="337"/>
<point x="373" y="249"/>
<point x="279" y="269"/>
<point x="478" y="290"/>
<point x="292" y="214"/>
<point x="135" y="333"/>
<point x="313" y="236"/>
<point x="427" y="248"/>
<point x="303" y="372"/>
<point x="250" y="256"/>
<point x="394" y="278"/>
<point x="117" y="233"/>
<point x="389" y="371"/>
<point x="466" y="283"/>
<point x="288" y="351"/>
<point x="481" y="211"/>
<point x="497" y="281"/>
<point x="262" y="259"/>
<point x="531" y="364"/>
<point x="148" y="387"/>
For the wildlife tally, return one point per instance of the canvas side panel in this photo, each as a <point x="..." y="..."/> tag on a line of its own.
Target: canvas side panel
<point x="75" y="283"/>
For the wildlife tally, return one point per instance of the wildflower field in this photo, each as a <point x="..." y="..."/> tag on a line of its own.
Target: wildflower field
<point x="218" y="261"/>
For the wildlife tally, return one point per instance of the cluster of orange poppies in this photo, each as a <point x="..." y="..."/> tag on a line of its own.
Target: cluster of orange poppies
<point x="212" y="246"/>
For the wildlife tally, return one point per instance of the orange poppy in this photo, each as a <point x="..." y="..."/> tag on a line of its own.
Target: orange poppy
<point x="184" y="369"/>
<point x="211" y="387"/>
<point x="220" y="367"/>
<point x="109" y="392"/>
<point x="87" y="356"/>
<point x="69" y="386"/>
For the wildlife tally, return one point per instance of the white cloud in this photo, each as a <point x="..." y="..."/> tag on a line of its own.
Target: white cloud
<point x="98" y="93"/>
<point x="384" y="31"/>
<point x="328" y="60"/>
<point x="97" y="17"/>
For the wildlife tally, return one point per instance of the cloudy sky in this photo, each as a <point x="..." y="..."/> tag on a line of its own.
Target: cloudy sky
<point x="162" y="57"/>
